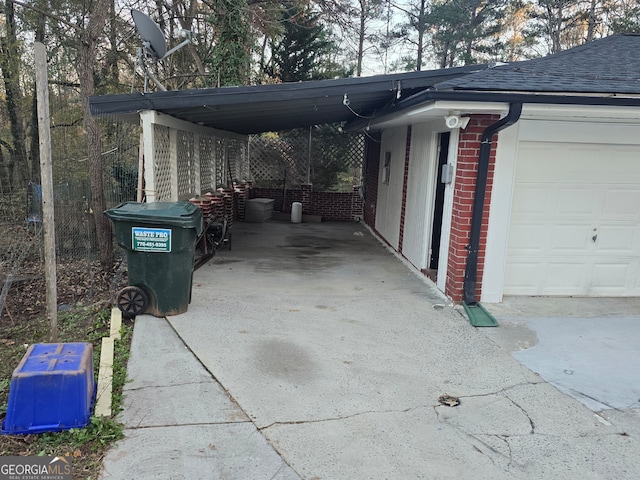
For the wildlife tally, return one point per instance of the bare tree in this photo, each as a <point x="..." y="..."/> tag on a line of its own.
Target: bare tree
<point x="10" y="64"/>
<point x="90" y="37"/>
<point x="415" y="28"/>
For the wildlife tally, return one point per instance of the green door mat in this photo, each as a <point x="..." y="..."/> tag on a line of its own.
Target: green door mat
<point x="479" y="317"/>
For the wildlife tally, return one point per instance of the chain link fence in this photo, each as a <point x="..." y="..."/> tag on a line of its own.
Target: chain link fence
<point x="81" y="277"/>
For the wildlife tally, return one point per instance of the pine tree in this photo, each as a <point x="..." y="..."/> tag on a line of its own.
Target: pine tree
<point x="304" y="48"/>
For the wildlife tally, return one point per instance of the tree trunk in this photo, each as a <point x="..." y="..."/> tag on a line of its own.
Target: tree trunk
<point x="88" y="42"/>
<point x="592" y="21"/>
<point x="421" y="28"/>
<point x="10" y="65"/>
<point x="34" y="150"/>
<point x="361" y="33"/>
<point x="555" y="19"/>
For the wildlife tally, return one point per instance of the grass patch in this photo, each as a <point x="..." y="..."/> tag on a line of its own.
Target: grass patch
<point x="86" y="446"/>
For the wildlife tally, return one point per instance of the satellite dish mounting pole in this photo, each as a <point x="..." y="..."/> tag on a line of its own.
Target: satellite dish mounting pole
<point x="147" y="73"/>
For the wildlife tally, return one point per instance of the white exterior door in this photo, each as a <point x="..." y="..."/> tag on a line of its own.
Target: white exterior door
<point x="421" y="185"/>
<point x="575" y="216"/>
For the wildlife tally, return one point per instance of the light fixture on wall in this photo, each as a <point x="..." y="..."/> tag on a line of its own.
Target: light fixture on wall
<point x="456" y="121"/>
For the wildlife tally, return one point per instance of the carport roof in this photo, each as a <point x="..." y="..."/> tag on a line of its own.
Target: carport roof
<point x="602" y="72"/>
<point x="263" y="108"/>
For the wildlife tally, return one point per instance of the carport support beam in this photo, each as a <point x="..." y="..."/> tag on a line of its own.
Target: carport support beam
<point x="471" y="269"/>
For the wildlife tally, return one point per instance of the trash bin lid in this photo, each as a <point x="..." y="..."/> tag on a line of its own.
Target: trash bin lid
<point x="175" y="214"/>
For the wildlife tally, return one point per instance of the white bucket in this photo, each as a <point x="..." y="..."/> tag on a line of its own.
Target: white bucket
<point x="296" y="212"/>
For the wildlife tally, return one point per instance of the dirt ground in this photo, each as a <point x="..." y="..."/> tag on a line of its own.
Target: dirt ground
<point x="85" y="292"/>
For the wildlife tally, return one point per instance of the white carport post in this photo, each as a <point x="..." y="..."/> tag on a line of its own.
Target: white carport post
<point x="154" y="192"/>
<point x="147" y="119"/>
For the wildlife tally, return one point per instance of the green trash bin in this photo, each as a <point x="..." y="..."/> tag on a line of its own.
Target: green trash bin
<point x="160" y="239"/>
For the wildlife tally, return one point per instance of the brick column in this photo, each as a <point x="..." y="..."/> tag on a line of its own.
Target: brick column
<point x="464" y="191"/>
<point x="371" y="169"/>
<point x="357" y="204"/>
<point x="405" y="184"/>
<point x="307" y="190"/>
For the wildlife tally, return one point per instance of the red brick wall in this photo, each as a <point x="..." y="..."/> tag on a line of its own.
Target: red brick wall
<point x="465" y="182"/>
<point x="405" y="183"/>
<point x="331" y="206"/>
<point x="371" y="170"/>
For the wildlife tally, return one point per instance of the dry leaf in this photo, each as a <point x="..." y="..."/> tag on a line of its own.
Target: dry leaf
<point x="449" y="400"/>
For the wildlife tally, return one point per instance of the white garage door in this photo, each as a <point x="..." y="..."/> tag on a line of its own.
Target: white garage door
<point x="575" y="221"/>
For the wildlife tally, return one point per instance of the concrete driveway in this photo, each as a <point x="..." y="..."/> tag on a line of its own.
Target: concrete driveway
<point x="588" y="348"/>
<point x="347" y="363"/>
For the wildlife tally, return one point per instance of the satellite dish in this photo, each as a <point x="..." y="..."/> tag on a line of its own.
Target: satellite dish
<point x="154" y="45"/>
<point x="151" y="35"/>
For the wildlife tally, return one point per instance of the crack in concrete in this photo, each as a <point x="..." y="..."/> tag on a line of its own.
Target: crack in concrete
<point x="502" y="391"/>
<point x="524" y="412"/>
<point x="137" y="389"/>
<point x="179" y="425"/>
<point x="279" y="469"/>
<point x="465" y="435"/>
<point x="336" y="419"/>
<point x="504" y="438"/>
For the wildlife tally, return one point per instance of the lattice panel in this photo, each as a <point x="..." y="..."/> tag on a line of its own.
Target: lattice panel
<point x="353" y="155"/>
<point x="186" y="165"/>
<point x="207" y="164"/>
<point x="201" y="167"/>
<point x="276" y="160"/>
<point x="273" y="160"/>
<point x="221" y="171"/>
<point x="238" y="162"/>
<point x="162" y="166"/>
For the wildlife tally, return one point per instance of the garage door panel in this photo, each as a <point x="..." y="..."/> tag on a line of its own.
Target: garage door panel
<point x="556" y="200"/>
<point x="565" y="277"/>
<point x="573" y="163"/>
<point x="609" y="278"/>
<point x="522" y="276"/>
<point x="622" y="203"/>
<point x="572" y="201"/>
<point x="622" y="161"/>
<point x="529" y="240"/>
<point x="569" y="239"/>
<point x="541" y="163"/>
<point x="529" y="201"/>
<point x="617" y="239"/>
<point x="575" y="219"/>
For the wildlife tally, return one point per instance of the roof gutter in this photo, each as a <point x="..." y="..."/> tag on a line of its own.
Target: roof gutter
<point x="471" y="270"/>
<point x="424" y="97"/>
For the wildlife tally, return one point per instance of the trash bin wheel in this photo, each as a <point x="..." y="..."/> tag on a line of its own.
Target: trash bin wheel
<point x="132" y="301"/>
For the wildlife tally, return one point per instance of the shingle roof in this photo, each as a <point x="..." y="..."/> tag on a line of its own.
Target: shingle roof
<point x="608" y="65"/>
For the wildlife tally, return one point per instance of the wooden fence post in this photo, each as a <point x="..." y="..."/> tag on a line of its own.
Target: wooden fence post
<point x="46" y="175"/>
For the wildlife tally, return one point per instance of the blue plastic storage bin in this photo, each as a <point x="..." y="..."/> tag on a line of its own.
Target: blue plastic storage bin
<point x="52" y="389"/>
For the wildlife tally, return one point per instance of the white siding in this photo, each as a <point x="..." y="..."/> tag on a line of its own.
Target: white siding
<point x="389" y="204"/>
